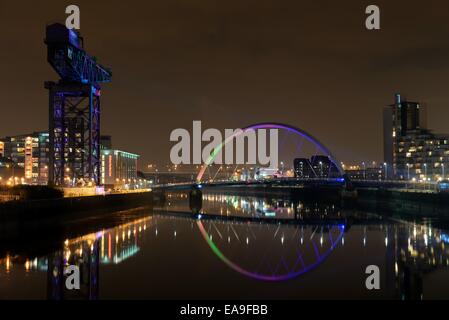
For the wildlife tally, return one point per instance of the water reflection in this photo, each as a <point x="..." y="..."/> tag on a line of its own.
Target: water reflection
<point x="112" y="246"/>
<point x="255" y="207"/>
<point x="290" y="251"/>
<point x="287" y="239"/>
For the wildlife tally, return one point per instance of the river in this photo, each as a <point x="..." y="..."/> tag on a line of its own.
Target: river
<point x="235" y="247"/>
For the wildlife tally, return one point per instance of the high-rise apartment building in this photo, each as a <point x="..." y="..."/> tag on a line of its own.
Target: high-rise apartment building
<point x="411" y="151"/>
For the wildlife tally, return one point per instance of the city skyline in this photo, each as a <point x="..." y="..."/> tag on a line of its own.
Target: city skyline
<point x="220" y="151"/>
<point x="231" y="65"/>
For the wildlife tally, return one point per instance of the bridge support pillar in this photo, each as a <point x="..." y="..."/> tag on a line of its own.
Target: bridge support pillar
<point x="195" y="200"/>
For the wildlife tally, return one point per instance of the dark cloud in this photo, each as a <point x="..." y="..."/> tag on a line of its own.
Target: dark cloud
<point x="231" y="63"/>
<point x="419" y="59"/>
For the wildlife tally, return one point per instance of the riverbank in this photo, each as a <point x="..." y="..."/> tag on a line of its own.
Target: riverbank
<point x="47" y="208"/>
<point x="382" y="201"/>
<point x="24" y="213"/>
<point x="405" y="202"/>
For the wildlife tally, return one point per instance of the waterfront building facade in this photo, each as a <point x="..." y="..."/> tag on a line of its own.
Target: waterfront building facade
<point x="303" y="168"/>
<point x="119" y="169"/>
<point x="363" y="172"/>
<point x="26" y="159"/>
<point x="29" y="155"/>
<point x="318" y="166"/>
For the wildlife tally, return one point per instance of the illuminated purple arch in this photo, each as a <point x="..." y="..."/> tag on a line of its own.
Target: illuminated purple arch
<point x="274" y="125"/>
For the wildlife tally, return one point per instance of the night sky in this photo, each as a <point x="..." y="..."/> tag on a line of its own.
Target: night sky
<point x="233" y="63"/>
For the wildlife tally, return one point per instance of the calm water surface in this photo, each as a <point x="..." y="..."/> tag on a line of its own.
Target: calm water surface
<point x="294" y="250"/>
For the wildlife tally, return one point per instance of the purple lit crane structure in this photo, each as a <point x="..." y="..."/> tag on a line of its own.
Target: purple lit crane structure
<point x="74" y="109"/>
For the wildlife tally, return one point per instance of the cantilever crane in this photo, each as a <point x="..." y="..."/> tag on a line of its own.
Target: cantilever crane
<point x="74" y="109"/>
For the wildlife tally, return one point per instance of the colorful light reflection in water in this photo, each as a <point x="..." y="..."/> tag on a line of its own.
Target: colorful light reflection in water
<point x="275" y="277"/>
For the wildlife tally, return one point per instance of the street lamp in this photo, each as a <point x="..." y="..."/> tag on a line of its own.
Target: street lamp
<point x="386" y="170"/>
<point x="321" y="166"/>
<point x="364" y="170"/>
<point x="425" y="176"/>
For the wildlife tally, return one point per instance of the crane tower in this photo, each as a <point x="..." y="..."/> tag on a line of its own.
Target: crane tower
<point x="74" y="109"/>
